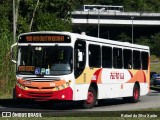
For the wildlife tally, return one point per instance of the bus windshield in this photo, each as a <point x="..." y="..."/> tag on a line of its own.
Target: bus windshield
<point x="46" y="60"/>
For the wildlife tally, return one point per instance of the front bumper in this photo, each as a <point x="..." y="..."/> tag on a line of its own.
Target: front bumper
<point x="44" y="95"/>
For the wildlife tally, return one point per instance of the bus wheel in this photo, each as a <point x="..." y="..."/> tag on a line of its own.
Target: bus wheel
<point x="135" y="96"/>
<point x="91" y="98"/>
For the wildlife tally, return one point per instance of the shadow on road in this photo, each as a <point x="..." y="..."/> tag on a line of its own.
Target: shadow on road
<point x="30" y="104"/>
<point x="21" y="104"/>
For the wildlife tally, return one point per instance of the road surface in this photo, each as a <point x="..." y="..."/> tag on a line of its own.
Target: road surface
<point x="149" y="101"/>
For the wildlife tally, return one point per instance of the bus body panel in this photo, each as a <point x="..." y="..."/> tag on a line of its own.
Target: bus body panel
<point x="80" y="91"/>
<point x="114" y="82"/>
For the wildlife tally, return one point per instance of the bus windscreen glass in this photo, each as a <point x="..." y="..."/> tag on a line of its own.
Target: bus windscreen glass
<point x="46" y="60"/>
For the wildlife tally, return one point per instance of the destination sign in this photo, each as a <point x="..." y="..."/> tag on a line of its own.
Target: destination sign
<point x="26" y="68"/>
<point x="44" y="38"/>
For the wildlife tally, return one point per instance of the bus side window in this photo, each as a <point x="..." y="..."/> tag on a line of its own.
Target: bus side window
<point x="117" y="57"/>
<point x="144" y="60"/>
<point x="94" y="56"/>
<point x="127" y="57"/>
<point x="106" y="57"/>
<point x="80" y="57"/>
<point x="136" y="60"/>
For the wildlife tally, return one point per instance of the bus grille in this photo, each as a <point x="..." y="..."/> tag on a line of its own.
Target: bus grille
<point x="40" y="94"/>
<point x="41" y="88"/>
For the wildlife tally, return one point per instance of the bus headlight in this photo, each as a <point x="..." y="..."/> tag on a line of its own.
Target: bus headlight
<point x="20" y="85"/>
<point x="57" y="88"/>
<point x="68" y="83"/>
<point x="62" y="86"/>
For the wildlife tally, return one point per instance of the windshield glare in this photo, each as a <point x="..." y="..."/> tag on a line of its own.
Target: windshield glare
<point x="54" y="60"/>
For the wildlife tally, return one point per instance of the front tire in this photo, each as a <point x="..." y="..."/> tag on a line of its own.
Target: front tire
<point x="91" y="98"/>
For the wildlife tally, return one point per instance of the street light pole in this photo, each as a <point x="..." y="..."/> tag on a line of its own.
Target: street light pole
<point x="108" y="34"/>
<point x="98" y="22"/>
<point x="132" y="28"/>
<point x="99" y="11"/>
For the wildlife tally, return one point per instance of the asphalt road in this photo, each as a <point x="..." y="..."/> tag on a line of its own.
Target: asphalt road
<point x="149" y="101"/>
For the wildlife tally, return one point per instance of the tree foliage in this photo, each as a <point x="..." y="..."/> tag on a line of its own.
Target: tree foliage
<point x="155" y="44"/>
<point x="44" y="15"/>
<point x="48" y="15"/>
<point x="124" y="37"/>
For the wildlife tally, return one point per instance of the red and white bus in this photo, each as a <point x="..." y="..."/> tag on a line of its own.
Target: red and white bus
<point x="73" y="67"/>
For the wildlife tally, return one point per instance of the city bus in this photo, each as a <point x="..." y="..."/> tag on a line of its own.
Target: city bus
<point x="64" y="66"/>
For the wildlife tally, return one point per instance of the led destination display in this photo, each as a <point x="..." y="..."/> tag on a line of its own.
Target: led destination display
<point x="44" y="38"/>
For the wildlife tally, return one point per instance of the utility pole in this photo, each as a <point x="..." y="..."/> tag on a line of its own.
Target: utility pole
<point x="14" y="22"/>
<point x="132" y="28"/>
<point x="34" y="12"/>
<point x="99" y="11"/>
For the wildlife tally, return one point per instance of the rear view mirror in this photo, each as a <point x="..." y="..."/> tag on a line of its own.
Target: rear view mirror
<point x="12" y="53"/>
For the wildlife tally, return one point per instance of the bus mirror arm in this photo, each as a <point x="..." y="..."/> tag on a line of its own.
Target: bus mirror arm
<point x="14" y="61"/>
<point x="12" y="53"/>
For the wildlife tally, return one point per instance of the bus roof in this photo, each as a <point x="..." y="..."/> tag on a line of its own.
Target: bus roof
<point x="112" y="42"/>
<point x="91" y="39"/>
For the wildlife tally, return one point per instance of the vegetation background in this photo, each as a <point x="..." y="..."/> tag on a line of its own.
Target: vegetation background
<point x="55" y="15"/>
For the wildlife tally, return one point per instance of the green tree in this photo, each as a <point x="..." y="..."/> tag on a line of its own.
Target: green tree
<point x="124" y="37"/>
<point x="140" y="5"/>
<point x="35" y="15"/>
<point x="153" y="5"/>
<point x="49" y="22"/>
<point x="44" y="15"/>
<point x="146" y="41"/>
<point x="156" y="42"/>
<point x="6" y="68"/>
<point x="143" y="41"/>
<point x="45" y="19"/>
<point x="106" y="2"/>
<point x="128" y="5"/>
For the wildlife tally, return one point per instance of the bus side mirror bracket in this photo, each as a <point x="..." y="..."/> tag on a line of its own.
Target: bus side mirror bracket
<point x="12" y="52"/>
